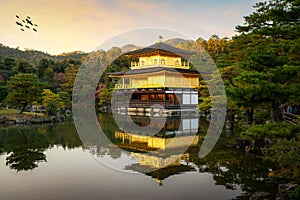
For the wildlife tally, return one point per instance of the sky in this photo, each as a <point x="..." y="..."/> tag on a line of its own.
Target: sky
<point x="72" y="25"/>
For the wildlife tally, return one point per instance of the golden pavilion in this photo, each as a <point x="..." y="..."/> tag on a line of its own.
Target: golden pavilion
<point x="159" y="83"/>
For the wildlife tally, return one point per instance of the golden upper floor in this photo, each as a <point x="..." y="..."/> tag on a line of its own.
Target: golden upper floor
<point x="159" y="54"/>
<point x="159" y="61"/>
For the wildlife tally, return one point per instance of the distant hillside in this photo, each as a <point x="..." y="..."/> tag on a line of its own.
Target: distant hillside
<point x="176" y="41"/>
<point x="129" y="47"/>
<point x="77" y="55"/>
<point x="173" y="42"/>
<point x="31" y="56"/>
<point x="34" y="56"/>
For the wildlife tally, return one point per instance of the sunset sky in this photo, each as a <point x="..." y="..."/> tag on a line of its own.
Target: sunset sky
<point x="71" y="25"/>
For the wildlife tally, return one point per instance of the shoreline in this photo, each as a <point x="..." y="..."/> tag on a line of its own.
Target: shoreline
<point x="28" y="118"/>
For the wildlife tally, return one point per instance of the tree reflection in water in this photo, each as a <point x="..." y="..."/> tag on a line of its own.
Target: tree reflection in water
<point x="25" y="146"/>
<point x="232" y="168"/>
<point x="228" y="166"/>
<point x="24" y="151"/>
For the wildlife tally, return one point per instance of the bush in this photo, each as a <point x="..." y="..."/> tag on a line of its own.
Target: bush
<point x="293" y="194"/>
<point x="283" y="147"/>
<point x="272" y="130"/>
<point x="286" y="156"/>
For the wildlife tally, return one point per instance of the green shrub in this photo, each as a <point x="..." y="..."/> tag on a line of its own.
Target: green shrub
<point x="272" y="130"/>
<point x="285" y="155"/>
<point x="293" y="194"/>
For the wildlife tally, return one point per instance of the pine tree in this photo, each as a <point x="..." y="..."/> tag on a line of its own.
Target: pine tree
<point x="266" y="50"/>
<point x="23" y="89"/>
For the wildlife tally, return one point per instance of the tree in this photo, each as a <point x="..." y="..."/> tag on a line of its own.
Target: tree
<point x="23" y="66"/>
<point x="42" y="66"/>
<point x="66" y="99"/>
<point x="6" y="68"/>
<point x="23" y="89"/>
<point x="48" y="76"/>
<point x="51" y="101"/>
<point x="215" y="46"/>
<point x="266" y="51"/>
<point x="45" y="71"/>
<point x="251" y="89"/>
<point x="105" y="98"/>
<point x="3" y="90"/>
<point x="71" y="72"/>
<point x="58" y="80"/>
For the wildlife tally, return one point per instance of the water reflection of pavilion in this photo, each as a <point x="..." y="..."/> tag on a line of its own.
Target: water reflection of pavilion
<point x="187" y="125"/>
<point x="162" y="154"/>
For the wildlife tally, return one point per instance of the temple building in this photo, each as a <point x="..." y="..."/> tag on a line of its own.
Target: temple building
<point x="159" y="83"/>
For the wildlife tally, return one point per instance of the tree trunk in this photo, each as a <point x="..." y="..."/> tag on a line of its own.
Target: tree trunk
<point x="22" y="109"/>
<point x="250" y="113"/>
<point x="229" y="123"/>
<point x="275" y="112"/>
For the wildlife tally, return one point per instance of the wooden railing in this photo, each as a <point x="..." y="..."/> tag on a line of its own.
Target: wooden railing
<point x="154" y="85"/>
<point x="291" y="118"/>
<point x="173" y="64"/>
<point x="122" y="86"/>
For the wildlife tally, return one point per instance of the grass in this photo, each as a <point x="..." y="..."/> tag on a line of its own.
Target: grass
<point x="14" y="111"/>
<point x="33" y="113"/>
<point x="8" y="111"/>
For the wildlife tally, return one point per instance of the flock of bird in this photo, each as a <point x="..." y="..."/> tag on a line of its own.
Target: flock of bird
<point x="26" y="23"/>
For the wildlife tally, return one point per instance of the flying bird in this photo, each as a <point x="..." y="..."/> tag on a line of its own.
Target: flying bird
<point x="27" y="22"/>
<point x="20" y="24"/>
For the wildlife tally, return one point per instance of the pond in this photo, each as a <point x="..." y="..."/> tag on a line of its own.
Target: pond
<point x="51" y="162"/>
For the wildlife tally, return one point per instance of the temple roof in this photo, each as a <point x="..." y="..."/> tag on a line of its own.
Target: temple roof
<point x="160" y="47"/>
<point x="161" y="173"/>
<point x="154" y="69"/>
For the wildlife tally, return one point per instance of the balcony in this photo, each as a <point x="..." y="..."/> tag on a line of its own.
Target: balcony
<point x="161" y="63"/>
<point x="122" y="86"/>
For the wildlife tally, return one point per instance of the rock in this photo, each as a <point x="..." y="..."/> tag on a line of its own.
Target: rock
<point x="286" y="186"/>
<point x="21" y="121"/>
<point x="261" y="196"/>
<point x="10" y="122"/>
<point x="3" y="119"/>
<point x="68" y="113"/>
<point x="47" y="120"/>
<point x="282" y="188"/>
<point x="62" y="118"/>
<point x="58" y="119"/>
<point x="35" y="120"/>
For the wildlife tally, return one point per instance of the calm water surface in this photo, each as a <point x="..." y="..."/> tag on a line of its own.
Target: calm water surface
<point x="50" y="162"/>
